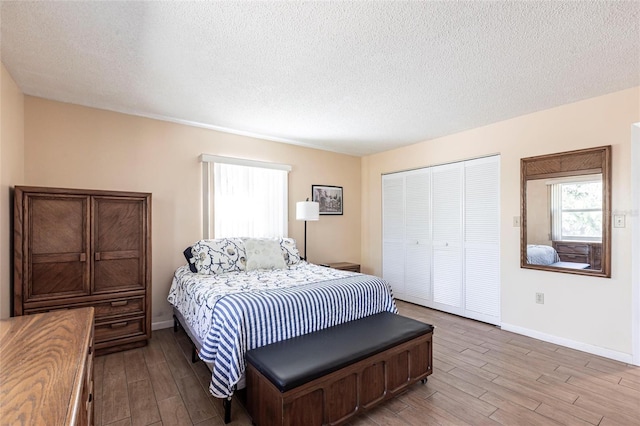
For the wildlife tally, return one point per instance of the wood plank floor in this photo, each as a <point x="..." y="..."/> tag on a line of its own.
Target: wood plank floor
<point x="482" y="376"/>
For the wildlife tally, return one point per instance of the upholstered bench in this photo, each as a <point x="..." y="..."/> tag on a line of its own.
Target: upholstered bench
<point x="330" y="375"/>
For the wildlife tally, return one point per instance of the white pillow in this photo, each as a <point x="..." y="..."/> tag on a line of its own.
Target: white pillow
<point x="263" y="253"/>
<point x="290" y="251"/>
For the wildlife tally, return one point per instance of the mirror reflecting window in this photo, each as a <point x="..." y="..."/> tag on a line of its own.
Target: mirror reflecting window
<point x="565" y="198"/>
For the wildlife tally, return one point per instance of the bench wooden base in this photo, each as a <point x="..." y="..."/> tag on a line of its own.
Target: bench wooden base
<point x="338" y="396"/>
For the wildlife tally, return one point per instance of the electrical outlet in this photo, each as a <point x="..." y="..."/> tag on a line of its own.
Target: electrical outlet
<point x="516" y="221"/>
<point x="618" y="221"/>
<point x="540" y="298"/>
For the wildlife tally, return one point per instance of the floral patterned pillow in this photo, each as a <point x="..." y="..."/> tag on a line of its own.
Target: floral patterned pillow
<point x="290" y="251"/>
<point x="264" y="253"/>
<point x="219" y="255"/>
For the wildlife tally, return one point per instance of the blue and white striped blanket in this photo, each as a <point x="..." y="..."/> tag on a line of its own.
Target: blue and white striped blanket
<point x="244" y="321"/>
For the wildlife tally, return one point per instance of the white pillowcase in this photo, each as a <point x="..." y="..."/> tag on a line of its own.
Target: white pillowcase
<point x="263" y="253"/>
<point x="290" y="251"/>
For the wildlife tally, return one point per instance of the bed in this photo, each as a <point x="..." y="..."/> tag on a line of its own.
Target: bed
<point x="548" y="256"/>
<point x="541" y="255"/>
<point x="235" y="306"/>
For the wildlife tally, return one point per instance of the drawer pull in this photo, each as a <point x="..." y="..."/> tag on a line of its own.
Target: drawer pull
<point x="119" y="303"/>
<point x="119" y="324"/>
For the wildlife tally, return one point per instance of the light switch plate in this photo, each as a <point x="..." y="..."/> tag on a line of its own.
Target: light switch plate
<point x="516" y="221"/>
<point x="618" y="221"/>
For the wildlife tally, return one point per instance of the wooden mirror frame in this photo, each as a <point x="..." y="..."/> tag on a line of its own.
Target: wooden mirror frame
<point x="571" y="163"/>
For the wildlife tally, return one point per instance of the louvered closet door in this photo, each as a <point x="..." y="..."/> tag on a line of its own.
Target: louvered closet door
<point x="393" y="257"/>
<point x="417" y="236"/>
<point x="447" y="236"/>
<point x="482" y="239"/>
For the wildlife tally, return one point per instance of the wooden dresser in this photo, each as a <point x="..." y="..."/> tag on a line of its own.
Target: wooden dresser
<point x="46" y="368"/>
<point x="78" y="248"/>
<point x="580" y="252"/>
<point x="344" y="266"/>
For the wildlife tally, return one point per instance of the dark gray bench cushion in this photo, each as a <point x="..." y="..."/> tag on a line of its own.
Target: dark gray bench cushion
<point x="294" y="362"/>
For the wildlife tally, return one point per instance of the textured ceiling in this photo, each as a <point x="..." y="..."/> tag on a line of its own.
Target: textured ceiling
<point x="353" y="77"/>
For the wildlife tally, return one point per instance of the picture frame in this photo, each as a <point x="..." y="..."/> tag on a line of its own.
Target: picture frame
<point x="329" y="197"/>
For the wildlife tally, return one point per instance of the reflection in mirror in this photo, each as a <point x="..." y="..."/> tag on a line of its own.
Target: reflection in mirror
<point x="565" y="198"/>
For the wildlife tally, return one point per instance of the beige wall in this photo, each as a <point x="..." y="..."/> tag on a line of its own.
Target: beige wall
<point x="54" y="144"/>
<point x="538" y="215"/>
<point x="11" y="173"/>
<point x="78" y="147"/>
<point x="595" y="312"/>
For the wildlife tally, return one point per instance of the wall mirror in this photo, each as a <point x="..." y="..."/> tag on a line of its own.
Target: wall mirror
<point x="565" y="207"/>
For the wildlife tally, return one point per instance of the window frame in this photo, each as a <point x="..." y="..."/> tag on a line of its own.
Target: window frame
<point x="208" y="188"/>
<point x="557" y="211"/>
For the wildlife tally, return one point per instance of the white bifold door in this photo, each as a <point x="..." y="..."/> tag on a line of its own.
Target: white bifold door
<point x="441" y="237"/>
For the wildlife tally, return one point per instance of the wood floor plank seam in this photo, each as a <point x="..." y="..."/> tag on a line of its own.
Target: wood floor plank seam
<point x="482" y="376"/>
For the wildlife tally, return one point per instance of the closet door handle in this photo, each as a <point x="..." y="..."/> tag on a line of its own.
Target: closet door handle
<point x="83" y="257"/>
<point x="97" y="256"/>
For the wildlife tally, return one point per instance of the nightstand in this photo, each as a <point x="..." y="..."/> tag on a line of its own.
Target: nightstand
<point x="344" y="266"/>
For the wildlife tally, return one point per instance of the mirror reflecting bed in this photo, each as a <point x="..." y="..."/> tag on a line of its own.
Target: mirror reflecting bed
<point x="564" y="200"/>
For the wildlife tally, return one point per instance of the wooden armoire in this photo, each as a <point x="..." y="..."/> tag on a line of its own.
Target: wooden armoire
<point x="75" y="248"/>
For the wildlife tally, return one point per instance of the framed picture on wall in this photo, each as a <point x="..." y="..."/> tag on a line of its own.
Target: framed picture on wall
<point x="329" y="197"/>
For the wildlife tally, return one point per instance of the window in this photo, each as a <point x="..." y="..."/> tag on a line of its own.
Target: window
<point x="244" y="198"/>
<point x="576" y="210"/>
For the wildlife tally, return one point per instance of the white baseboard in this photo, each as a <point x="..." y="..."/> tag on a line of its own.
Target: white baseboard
<point x="584" y="347"/>
<point x="596" y="350"/>
<point x="162" y="324"/>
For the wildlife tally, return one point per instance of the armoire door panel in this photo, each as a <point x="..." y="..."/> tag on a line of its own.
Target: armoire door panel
<point x="118" y="224"/>
<point x="56" y="280"/>
<point x="117" y="275"/>
<point x="119" y="229"/>
<point x="57" y="246"/>
<point x="58" y="225"/>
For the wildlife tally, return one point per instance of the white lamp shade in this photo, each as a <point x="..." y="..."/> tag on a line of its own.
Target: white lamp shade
<point x="307" y="210"/>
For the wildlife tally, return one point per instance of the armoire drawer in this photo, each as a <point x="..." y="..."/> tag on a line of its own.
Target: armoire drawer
<point x="575" y="258"/>
<point x="119" y="328"/>
<point x="103" y="309"/>
<point x="129" y="306"/>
